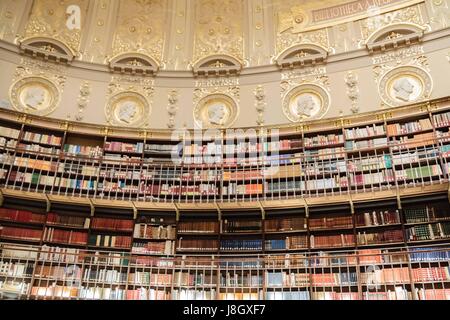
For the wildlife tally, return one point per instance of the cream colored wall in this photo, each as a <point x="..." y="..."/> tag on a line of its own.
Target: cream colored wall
<point x="346" y="55"/>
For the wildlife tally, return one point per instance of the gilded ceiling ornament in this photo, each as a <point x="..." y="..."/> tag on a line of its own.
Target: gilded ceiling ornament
<point x="172" y="108"/>
<point x="351" y="80"/>
<point x="140" y="28"/>
<point x="83" y="99"/>
<point x="370" y="25"/>
<point x="49" y="20"/>
<point x="218" y="28"/>
<point x="260" y="104"/>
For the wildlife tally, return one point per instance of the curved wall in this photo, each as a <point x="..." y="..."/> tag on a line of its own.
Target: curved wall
<point x="343" y="38"/>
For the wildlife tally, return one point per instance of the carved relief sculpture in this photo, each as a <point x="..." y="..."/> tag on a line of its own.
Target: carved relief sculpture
<point x="85" y="91"/>
<point x="351" y="80"/>
<point x="172" y="108"/>
<point x="260" y="104"/>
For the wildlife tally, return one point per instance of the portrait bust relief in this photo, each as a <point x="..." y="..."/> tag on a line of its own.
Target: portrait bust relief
<point x="305" y="106"/>
<point x="404" y="84"/>
<point x="34" y="95"/>
<point x="217" y="114"/>
<point x="306" y="101"/>
<point x="403" y="89"/>
<point x="127" y="109"/>
<point x="215" y="111"/>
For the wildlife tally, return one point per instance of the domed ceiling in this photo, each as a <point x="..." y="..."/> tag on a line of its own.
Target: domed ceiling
<point x="177" y="34"/>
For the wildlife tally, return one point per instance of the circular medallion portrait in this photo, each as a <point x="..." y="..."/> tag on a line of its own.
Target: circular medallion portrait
<point x="404" y="85"/>
<point x="34" y="95"/>
<point x="215" y="111"/>
<point x="308" y="101"/>
<point x="127" y="109"/>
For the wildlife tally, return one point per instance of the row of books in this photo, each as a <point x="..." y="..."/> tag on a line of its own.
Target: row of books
<point x="124" y="147"/>
<point x="146" y="231"/>
<point x="68" y="220"/>
<point x="409" y="127"/>
<point x="442" y="119"/>
<point x="115" y="224"/>
<point x="365" y="132"/>
<point x="289" y="243"/>
<point x="285" y="224"/>
<point x="378" y="218"/>
<point x="101" y="240"/>
<point x="167" y="247"/>
<point x="428" y="232"/>
<point x="365" y="144"/>
<point x="21" y="215"/>
<point x="197" y="244"/>
<point x="9" y="132"/>
<point x="65" y="236"/>
<point x="198" y="227"/>
<point x="232" y="226"/>
<point x="91" y="151"/>
<point x="331" y="222"/>
<point x="7" y="232"/>
<point x="386" y="236"/>
<point x="287" y="279"/>
<point x="323" y="140"/>
<point x="237" y="245"/>
<point x="424" y="214"/>
<point x="36" y="148"/>
<point x="417" y="141"/>
<point x="322" y="241"/>
<point x="42" y="138"/>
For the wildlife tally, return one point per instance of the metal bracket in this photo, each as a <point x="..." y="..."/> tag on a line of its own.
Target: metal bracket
<point x="219" y="212"/>
<point x="306" y="209"/>
<point x="177" y="210"/>
<point x="48" y="202"/>
<point x="135" y="210"/>
<point x="352" y="206"/>
<point x="92" y="207"/>
<point x="399" y="200"/>
<point x="448" y="192"/>
<point x="263" y="211"/>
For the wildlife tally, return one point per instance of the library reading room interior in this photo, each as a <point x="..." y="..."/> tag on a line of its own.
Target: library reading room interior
<point x="225" y="150"/>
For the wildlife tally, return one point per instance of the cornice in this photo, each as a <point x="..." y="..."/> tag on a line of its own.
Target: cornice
<point x="432" y="41"/>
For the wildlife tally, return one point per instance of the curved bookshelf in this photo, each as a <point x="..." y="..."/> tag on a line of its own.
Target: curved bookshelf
<point x="350" y="208"/>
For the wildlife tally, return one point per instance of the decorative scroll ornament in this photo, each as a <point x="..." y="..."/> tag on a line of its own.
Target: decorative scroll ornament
<point x="128" y="101"/>
<point x="260" y="104"/>
<point x="305" y="102"/>
<point x="351" y="80"/>
<point x="172" y="108"/>
<point x="83" y="99"/>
